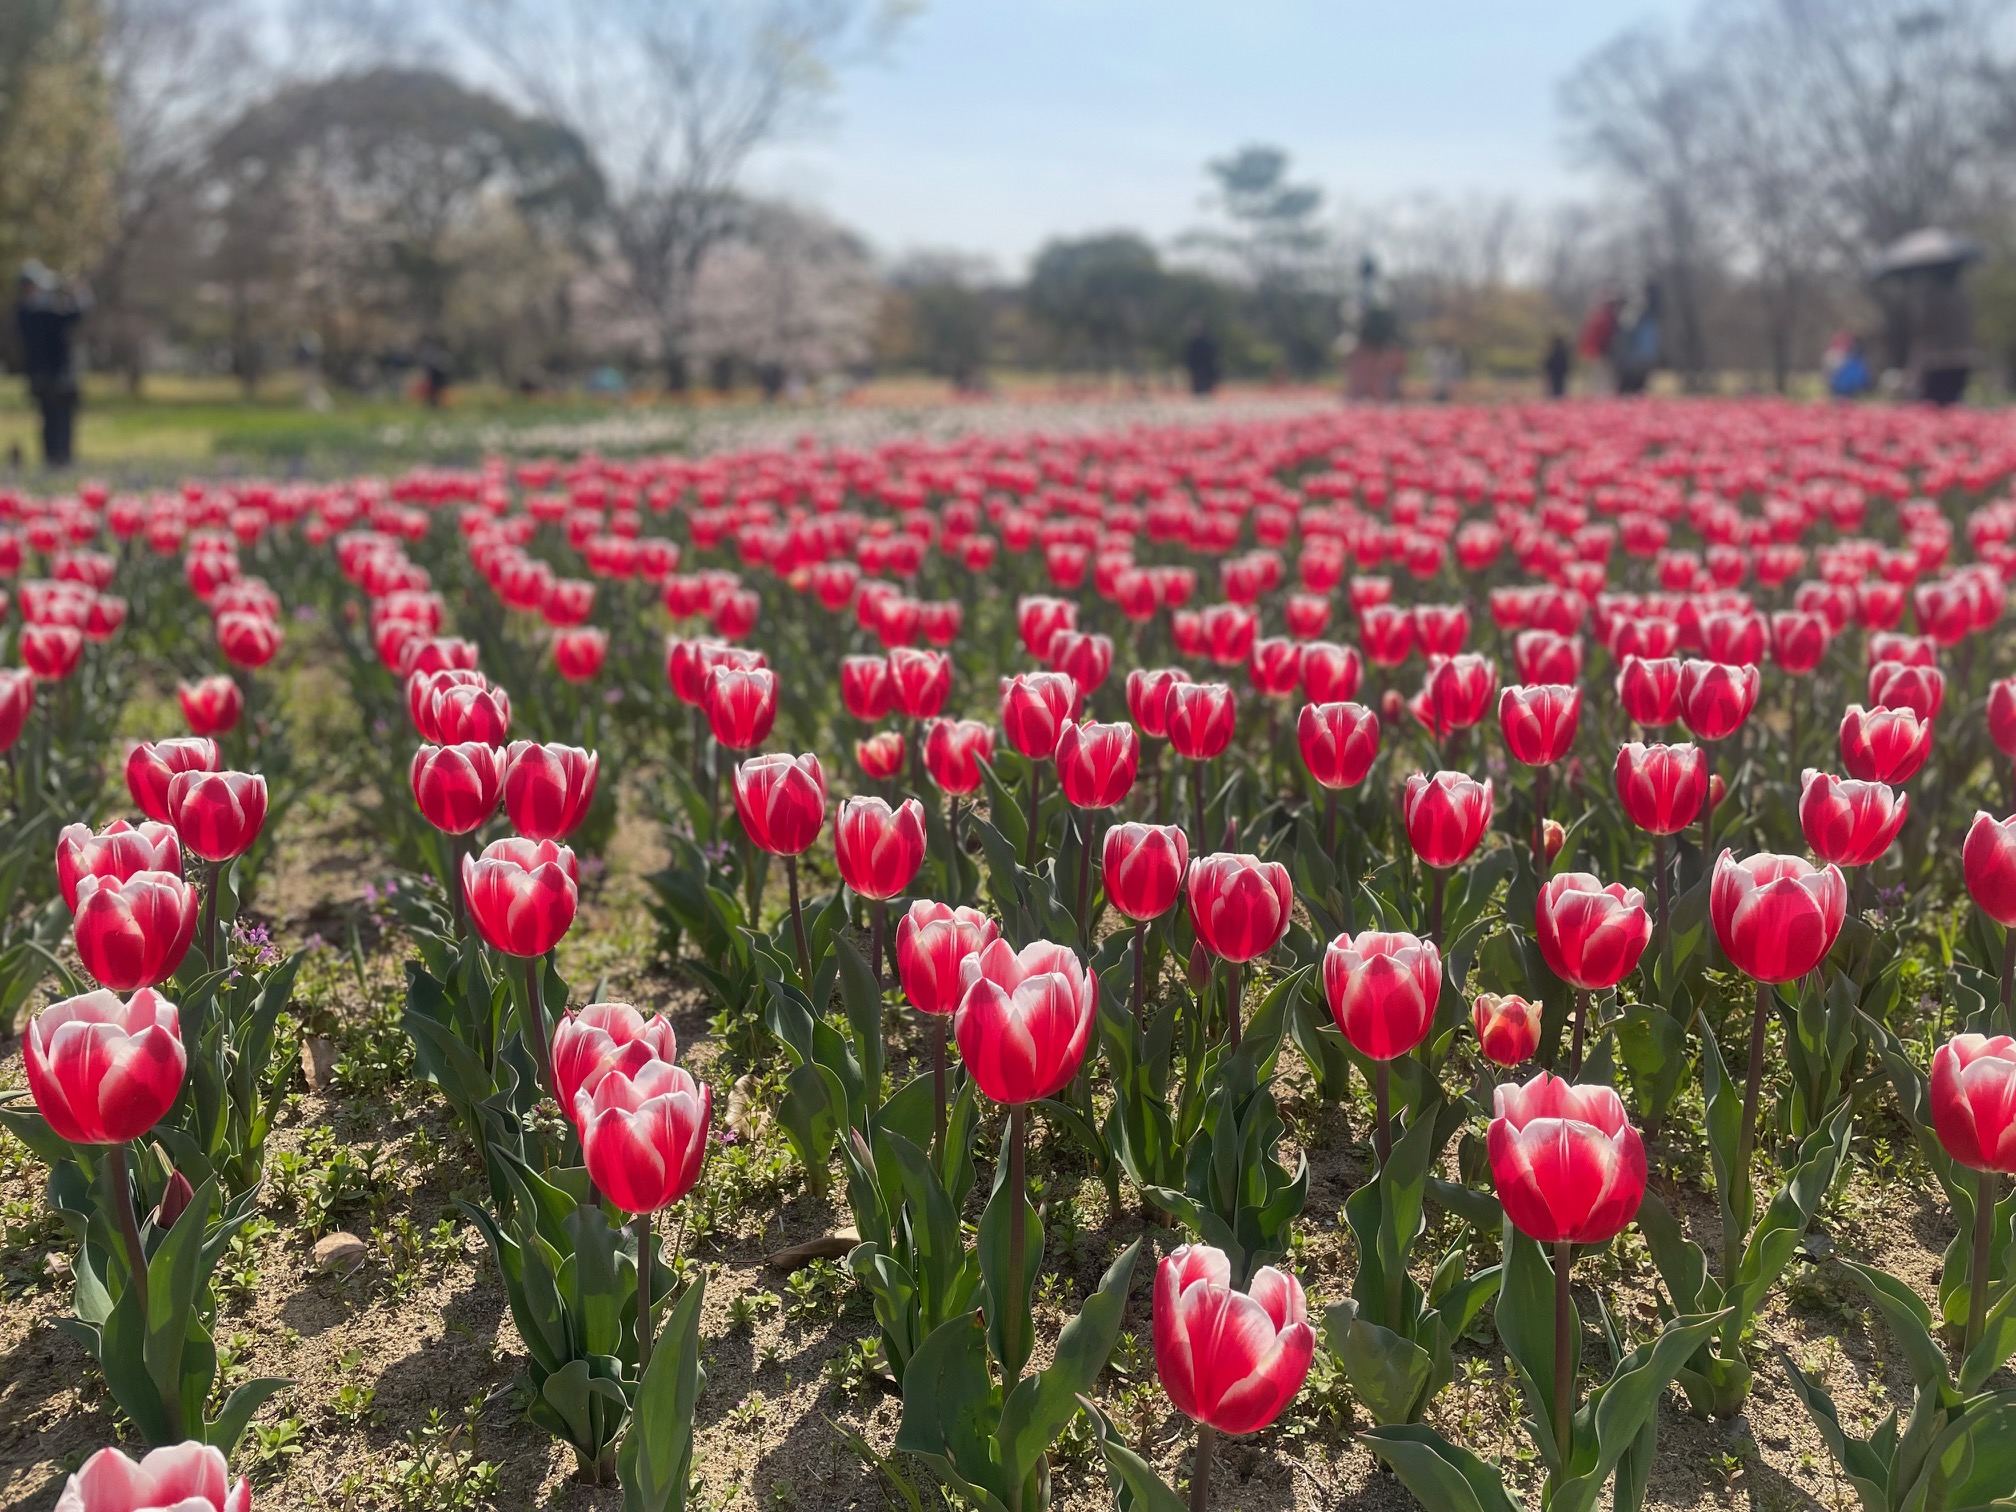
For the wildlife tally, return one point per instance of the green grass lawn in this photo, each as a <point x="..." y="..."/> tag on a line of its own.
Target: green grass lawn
<point x="204" y="423"/>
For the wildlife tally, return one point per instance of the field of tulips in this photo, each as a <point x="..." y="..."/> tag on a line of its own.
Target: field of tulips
<point x="1459" y="956"/>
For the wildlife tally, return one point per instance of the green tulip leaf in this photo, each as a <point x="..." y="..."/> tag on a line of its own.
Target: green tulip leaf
<point x="1040" y="1406"/>
<point x="1442" y="1475"/>
<point x="655" y="1460"/>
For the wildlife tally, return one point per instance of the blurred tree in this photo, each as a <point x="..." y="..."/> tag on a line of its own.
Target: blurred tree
<point x="940" y="317"/>
<point x="1101" y="297"/>
<point x="674" y="96"/>
<point x="57" y="144"/>
<point x="365" y="190"/>
<point x="178" y="70"/>
<point x="1275" y="240"/>
<point x="790" y="295"/>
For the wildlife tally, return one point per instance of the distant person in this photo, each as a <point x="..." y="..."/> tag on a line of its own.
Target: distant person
<point x="1845" y="365"/>
<point x="1637" y="346"/>
<point x="1445" y="371"/>
<point x="1200" y="359"/>
<point x="48" y="315"/>
<point x="1598" y="338"/>
<point x="1556" y="365"/>
<point x="434" y="375"/>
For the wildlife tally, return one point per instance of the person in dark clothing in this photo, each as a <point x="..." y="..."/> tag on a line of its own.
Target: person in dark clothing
<point x="48" y="316"/>
<point x="1200" y="356"/>
<point x="1556" y="364"/>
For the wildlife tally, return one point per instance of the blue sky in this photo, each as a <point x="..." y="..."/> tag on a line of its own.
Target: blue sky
<point x="991" y="125"/>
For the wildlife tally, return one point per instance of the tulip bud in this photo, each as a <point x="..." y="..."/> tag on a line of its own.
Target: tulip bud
<point x="878" y="849"/>
<point x="174" y="1201"/>
<point x="1034" y="709"/>
<point x="1339" y="742"/>
<point x="190" y="1477"/>
<point x="919" y="681"/>
<point x="217" y="815"/>
<point x="933" y="942"/>
<point x="1508" y="1027"/>
<point x="119" y="850"/>
<point x="1716" y="698"/>
<point x="211" y="705"/>
<point x="1232" y="1359"/>
<point x="103" y="1072"/>
<point x="548" y="789"/>
<point x="1382" y="989"/>
<point x="521" y="894"/>
<point x="1988" y="859"/>
<point x="1197" y="970"/>
<point x="1201" y="718"/>
<point x="1973" y="1094"/>
<point x="1776" y="916"/>
<point x="741" y="705"/>
<point x="1565" y="1160"/>
<point x="1391" y="707"/>
<point x="1148" y="698"/>
<point x="881" y="755"/>
<point x="1240" y="905"/>
<point x="1591" y="936"/>
<point x="1847" y="822"/>
<point x="1662" y="787"/>
<point x="1446" y="816"/>
<point x="1539" y="723"/>
<point x="1142" y="865"/>
<point x="644" y="1134"/>
<point x="1884" y="745"/>
<point x="457" y="786"/>
<point x="953" y="751"/>
<point x="17" y="698"/>
<point x="1024" y="1019"/>
<point x="1717" y="791"/>
<point x="1553" y="835"/>
<point x="1096" y="763"/>
<point x="781" y="801"/>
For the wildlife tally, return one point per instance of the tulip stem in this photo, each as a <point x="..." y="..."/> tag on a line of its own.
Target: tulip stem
<point x="798" y="923"/>
<point x="1581" y="1019"/>
<point x="647" y="1255"/>
<point x="535" y="1008"/>
<point x="1015" y="1314"/>
<point x="1540" y="823"/>
<point x="210" y="881"/>
<point x="1330" y="822"/>
<point x="1977" y="1274"/>
<point x="456" y="896"/>
<point x="120" y="1178"/>
<point x="878" y="922"/>
<point x="1084" y="823"/>
<point x="956" y="880"/>
<point x="1140" y="992"/>
<point x="1200" y="1470"/>
<point x="938" y="1081"/>
<point x="1035" y="808"/>
<point x="1438" y="880"/>
<point x="1564" y="1355"/>
<point x="1382" y="1097"/>
<point x="1232" y="1005"/>
<point x="1197" y="796"/>
<point x="1746" y="1139"/>
<point x="1659" y="882"/>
